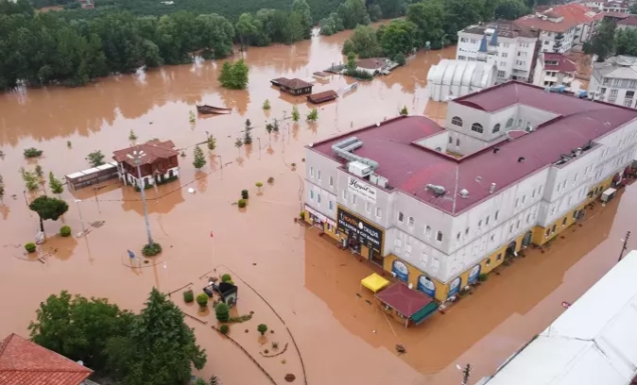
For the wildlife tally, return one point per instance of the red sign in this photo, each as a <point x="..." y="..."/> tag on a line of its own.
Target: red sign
<point x="565" y="305"/>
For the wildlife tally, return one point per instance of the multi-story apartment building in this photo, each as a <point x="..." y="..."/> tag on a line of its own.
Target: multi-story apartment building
<point x="615" y="81"/>
<point x="503" y="43"/>
<point x="526" y="164"/>
<point x="561" y="27"/>
<point x="554" y="69"/>
<point x="608" y="6"/>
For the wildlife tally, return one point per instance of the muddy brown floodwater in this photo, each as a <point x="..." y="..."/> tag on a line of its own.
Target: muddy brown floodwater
<point x="312" y="289"/>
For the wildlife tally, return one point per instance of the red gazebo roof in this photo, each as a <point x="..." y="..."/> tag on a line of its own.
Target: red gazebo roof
<point x="405" y="300"/>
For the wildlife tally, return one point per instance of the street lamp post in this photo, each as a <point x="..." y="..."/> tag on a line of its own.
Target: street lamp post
<point x="136" y="157"/>
<point x="79" y="210"/>
<point x="624" y="246"/>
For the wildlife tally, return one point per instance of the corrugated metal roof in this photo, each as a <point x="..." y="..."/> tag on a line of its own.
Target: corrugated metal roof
<point x="594" y="342"/>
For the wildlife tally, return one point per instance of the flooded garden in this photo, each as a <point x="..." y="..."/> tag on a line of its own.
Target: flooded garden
<point x="321" y="327"/>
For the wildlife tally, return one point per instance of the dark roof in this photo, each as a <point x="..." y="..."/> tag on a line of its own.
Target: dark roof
<point x="403" y="299"/>
<point x="322" y="96"/>
<point x="564" y="64"/>
<point x="372" y="63"/>
<point x="23" y="362"/>
<point x="154" y="150"/>
<point x="506" y="28"/>
<point x="409" y="167"/>
<point x="629" y="21"/>
<point x="294" y="84"/>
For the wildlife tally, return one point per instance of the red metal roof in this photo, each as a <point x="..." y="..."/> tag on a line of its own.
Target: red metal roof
<point x="572" y="15"/>
<point x="154" y="150"/>
<point x="564" y="64"/>
<point x="629" y="21"/>
<point x="23" y="362"/>
<point x="403" y="299"/>
<point x="410" y="167"/>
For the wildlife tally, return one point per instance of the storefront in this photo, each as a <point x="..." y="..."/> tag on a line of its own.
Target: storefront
<point x="319" y="220"/>
<point x="360" y="236"/>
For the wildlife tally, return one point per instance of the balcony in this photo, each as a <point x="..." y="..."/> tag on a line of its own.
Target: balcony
<point x="559" y="37"/>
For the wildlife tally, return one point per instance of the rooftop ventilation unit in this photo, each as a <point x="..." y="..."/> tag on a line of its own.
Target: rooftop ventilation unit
<point x="437" y="190"/>
<point x="464" y="193"/>
<point x="344" y="149"/>
<point x="492" y="188"/>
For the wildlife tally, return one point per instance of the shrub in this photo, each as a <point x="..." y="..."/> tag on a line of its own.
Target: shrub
<point x="266" y="104"/>
<point x="30" y="247"/>
<point x="302" y="215"/>
<point x="65" y="231"/>
<point x="150" y="250"/>
<point x="200" y="381"/>
<point x="404" y="111"/>
<point x="244" y="194"/>
<point x="259" y="185"/>
<point x="358" y="74"/>
<point x="270" y="180"/>
<point x="226" y="278"/>
<point x="275" y="345"/>
<point x="131" y="136"/>
<point x="95" y="158"/>
<point x="483" y="277"/>
<point x="262" y="328"/>
<point x="224" y="329"/>
<point x="293" y="165"/>
<point x="313" y="115"/>
<point x="202" y="300"/>
<point x="32" y="152"/>
<point x="400" y="59"/>
<point x="222" y="311"/>
<point x="242" y="203"/>
<point x="189" y="296"/>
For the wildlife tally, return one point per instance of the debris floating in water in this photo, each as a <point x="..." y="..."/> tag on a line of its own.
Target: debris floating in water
<point x="191" y="190"/>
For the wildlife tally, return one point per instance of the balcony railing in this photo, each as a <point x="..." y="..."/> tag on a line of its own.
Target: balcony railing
<point x="559" y="36"/>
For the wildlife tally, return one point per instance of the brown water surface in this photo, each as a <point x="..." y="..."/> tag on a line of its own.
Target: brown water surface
<point x="312" y="285"/>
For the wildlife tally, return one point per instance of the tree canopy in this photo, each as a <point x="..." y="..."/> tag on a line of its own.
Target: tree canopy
<point x="155" y="347"/>
<point x="234" y="76"/>
<point x="603" y="42"/>
<point x="48" y="208"/>
<point x="626" y="42"/>
<point x="363" y="42"/>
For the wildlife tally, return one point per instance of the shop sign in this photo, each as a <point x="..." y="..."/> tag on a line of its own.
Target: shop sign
<point x="454" y="287"/>
<point x="318" y="215"/>
<point x="427" y="286"/>
<point x="368" y="234"/>
<point x="474" y="273"/>
<point x="357" y="187"/>
<point x="401" y="271"/>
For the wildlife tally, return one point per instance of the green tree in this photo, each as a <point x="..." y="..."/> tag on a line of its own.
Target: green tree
<point x="55" y="184"/>
<point x="222" y="312"/>
<point x="375" y="13"/>
<point x="353" y="12"/>
<point x="262" y="328"/>
<point x="331" y="25"/>
<point x="247" y="29"/>
<point x="633" y="9"/>
<point x="626" y="42"/>
<point x="48" y="208"/>
<point x="79" y="328"/>
<point x="199" y="158"/>
<point x="303" y="10"/>
<point x="211" y="142"/>
<point x="234" y="76"/>
<point x="30" y="179"/>
<point x="603" y="42"/>
<point x="313" y="115"/>
<point x="96" y="158"/>
<point x="399" y="37"/>
<point x="351" y="62"/>
<point x="266" y="104"/>
<point x="509" y="10"/>
<point x="404" y="111"/>
<point x="247" y="137"/>
<point x="160" y="348"/>
<point x="400" y="59"/>
<point x="238" y="144"/>
<point x="364" y="42"/>
<point x="295" y="114"/>
<point x="225" y="77"/>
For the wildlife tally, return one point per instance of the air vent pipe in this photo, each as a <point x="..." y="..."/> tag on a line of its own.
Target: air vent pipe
<point x="344" y="148"/>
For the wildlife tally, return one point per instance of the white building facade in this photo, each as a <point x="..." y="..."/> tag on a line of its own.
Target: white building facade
<point x="511" y="48"/>
<point x="615" y="81"/>
<point x="554" y="70"/>
<point x="420" y="222"/>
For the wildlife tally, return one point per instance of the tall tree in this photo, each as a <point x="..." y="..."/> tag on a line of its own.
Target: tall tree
<point x="626" y="42"/>
<point x="510" y="9"/>
<point x="364" y="42"/>
<point x="79" y="328"/>
<point x="162" y="348"/>
<point x="301" y="7"/>
<point x="199" y="158"/>
<point x="603" y="42"/>
<point x="428" y="18"/>
<point x="48" y="208"/>
<point x="399" y="37"/>
<point x="353" y="12"/>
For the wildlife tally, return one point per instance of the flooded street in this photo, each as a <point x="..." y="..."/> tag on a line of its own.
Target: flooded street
<point x="297" y="280"/>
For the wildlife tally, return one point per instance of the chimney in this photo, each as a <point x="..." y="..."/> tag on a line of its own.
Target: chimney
<point x="492" y="189"/>
<point x="521" y="159"/>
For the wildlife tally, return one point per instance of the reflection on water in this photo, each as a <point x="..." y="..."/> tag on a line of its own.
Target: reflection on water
<point x="343" y="338"/>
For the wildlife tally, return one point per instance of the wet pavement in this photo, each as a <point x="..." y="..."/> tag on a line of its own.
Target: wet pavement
<point x="313" y="286"/>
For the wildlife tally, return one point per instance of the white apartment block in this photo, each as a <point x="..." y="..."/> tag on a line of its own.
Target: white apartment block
<point x="561" y="27"/>
<point x="392" y="193"/>
<point x="554" y="70"/>
<point x="508" y="46"/>
<point x="608" y="6"/>
<point x="615" y="81"/>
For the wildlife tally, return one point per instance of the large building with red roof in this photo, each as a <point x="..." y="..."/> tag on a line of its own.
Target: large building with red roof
<point x="561" y="27"/>
<point x="514" y="165"/>
<point x="23" y="362"/>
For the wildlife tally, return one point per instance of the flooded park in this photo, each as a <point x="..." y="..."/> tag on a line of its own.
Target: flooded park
<point x="307" y="290"/>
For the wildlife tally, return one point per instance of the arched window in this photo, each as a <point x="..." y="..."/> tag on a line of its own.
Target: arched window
<point x="456" y="121"/>
<point x="477" y="127"/>
<point x="510" y="123"/>
<point x="496" y="128"/>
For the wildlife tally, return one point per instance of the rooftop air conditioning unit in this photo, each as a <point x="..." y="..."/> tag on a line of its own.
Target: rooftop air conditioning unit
<point x="359" y="169"/>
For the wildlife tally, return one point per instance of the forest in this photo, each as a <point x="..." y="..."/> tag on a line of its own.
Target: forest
<point x="74" y="46"/>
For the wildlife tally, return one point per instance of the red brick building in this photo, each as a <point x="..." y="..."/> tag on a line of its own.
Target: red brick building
<point x="23" y="362"/>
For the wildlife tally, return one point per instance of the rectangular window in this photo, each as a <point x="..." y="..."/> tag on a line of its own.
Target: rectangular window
<point x="553" y="229"/>
<point x="318" y="198"/>
<point x="575" y="177"/>
<point x="354" y="199"/>
<point x="345" y="195"/>
<point x="408" y="248"/>
<point x="517" y="225"/>
<point x="628" y="102"/>
<point x="424" y="258"/>
<point x="564" y="221"/>
<point x="480" y="223"/>
<point x="439" y="236"/>
<point x="511" y="228"/>
<point x="523" y="198"/>
<point x="613" y="93"/>
<point x="457" y="142"/>
<point x="411" y="222"/>
<point x="311" y="194"/>
<point x="501" y="74"/>
<point x="533" y="194"/>
<point x="368" y="206"/>
<point x="504" y="54"/>
<point x="378" y="212"/>
<point x="497" y="213"/>
<point x="466" y="232"/>
<point x="435" y="265"/>
<point x="548" y="232"/>
<point x="517" y="202"/>
<point x="486" y="222"/>
<point x="331" y="182"/>
<point x="401" y="216"/>
<point x="458" y="236"/>
<point x="318" y="174"/>
<point x="312" y="171"/>
<point x="331" y="205"/>
<point x="428" y="231"/>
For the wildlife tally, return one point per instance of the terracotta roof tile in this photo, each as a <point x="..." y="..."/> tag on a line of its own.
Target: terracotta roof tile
<point x="629" y="21"/>
<point x="154" y="150"/>
<point x="294" y="84"/>
<point x="410" y="167"/>
<point x="23" y="362"/>
<point x="571" y="14"/>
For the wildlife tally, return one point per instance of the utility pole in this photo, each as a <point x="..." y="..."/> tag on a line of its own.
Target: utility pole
<point x="465" y="374"/>
<point x="136" y="157"/>
<point x="621" y="252"/>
